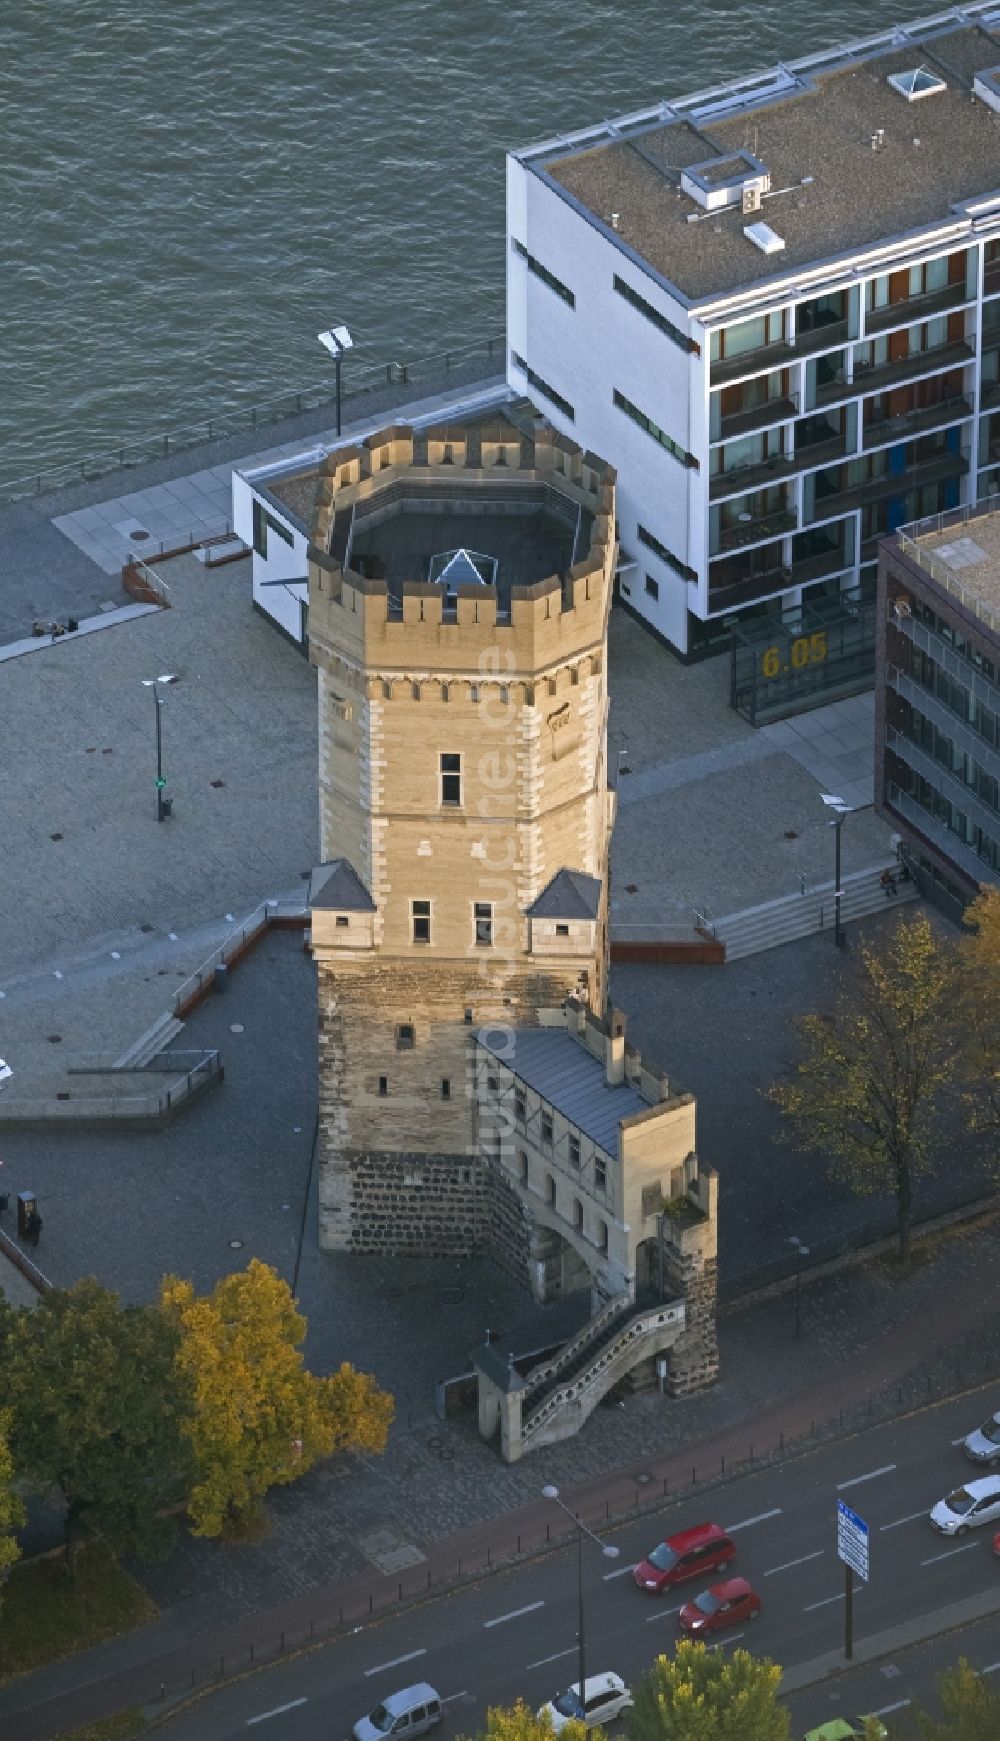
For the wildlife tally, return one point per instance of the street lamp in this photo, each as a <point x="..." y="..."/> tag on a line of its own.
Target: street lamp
<point x="163" y="805"/>
<point x="840" y="809"/>
<point x="336" y="340"/>
<point x="801" y="1251"/>
<point x="608" y="1550"/>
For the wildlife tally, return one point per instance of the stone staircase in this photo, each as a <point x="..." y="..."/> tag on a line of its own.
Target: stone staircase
<point x="559" y="1396"/>
<point x="799" y="915"/>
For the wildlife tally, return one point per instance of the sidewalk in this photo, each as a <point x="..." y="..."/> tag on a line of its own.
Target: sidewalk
<point x="958" y="1320"/>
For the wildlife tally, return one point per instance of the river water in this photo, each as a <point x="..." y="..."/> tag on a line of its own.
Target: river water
<point x="191" y="189"/>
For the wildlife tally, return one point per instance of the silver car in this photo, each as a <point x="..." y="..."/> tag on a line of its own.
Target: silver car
<point x="983" y="1446"/>
<point x="975" y="1503"/>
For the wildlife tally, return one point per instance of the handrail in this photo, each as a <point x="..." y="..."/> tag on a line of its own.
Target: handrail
<point x="908" y="538"/>
<point x="590" y="1332"/>
<point x="236" y="419"/>
<point x="637" y="1329"/>
<point x="29" y="1108"/>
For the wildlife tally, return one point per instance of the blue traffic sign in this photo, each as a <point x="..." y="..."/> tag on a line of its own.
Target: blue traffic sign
<point x="852" y="1540"/>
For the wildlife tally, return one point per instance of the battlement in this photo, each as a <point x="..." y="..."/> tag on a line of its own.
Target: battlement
<point x="431" y="548"/>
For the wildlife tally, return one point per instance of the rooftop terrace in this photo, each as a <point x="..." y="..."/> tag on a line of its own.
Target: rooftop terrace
<point x="961" y="552"/>
<point x="852" y="160"/>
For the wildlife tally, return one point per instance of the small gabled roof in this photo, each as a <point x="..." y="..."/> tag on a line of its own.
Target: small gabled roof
<point x="570" y="895"/>
<point x="337" y="885"/>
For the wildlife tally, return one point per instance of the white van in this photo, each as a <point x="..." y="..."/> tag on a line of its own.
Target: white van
<point x="415" y="1711"/>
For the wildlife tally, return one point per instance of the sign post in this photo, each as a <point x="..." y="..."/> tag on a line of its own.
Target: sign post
<point x="852" y="1548"/>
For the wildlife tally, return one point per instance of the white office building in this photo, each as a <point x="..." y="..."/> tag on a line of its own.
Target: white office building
<point x="774" y="307"/>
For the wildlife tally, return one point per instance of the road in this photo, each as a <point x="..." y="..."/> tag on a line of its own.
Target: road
<point x="889" y="1686"/>
<point x="516" y="1632"/>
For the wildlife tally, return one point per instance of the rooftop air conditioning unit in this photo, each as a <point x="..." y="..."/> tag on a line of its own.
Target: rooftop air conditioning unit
<point x="751" y="199"/>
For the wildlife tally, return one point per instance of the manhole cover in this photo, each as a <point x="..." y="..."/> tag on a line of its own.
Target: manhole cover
<point x="236" y="1245"/>
<point x="434" y="1444"/>
<point x="91" y="750"/>
<point x="305" y="875"/>
<point x="451" y="1296"/>
<point x="236" y="1027"/>
<point x="631" y="888"/>
<point x="139" y="536"/>
<point x="446" y="1454"/>
<point x="791" y="834"/>
<point x="55" y="836"/>
<point x="145" y="927"/>
<point x="217" y="783"/>
<point x="55" y="1039"/>
<point x="641" y="1480"/>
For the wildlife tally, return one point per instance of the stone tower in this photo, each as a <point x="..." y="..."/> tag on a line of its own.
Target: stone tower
<point x="459" y="589"/>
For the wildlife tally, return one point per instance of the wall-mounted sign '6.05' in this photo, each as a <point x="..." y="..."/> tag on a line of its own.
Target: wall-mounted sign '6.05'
<point x="804" y="650"/>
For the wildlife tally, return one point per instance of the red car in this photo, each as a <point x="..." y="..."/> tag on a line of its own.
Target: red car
<point x="723" y="1605"/>
<point x="689" y="1554"/>
<point x="996" y="1542"/>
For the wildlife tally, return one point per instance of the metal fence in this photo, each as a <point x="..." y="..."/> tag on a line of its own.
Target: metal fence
<point x="110" y="1108"/>
<point x="232" y="946"/>
<point x="909" y="542"/>
<point x="241" y="419"/>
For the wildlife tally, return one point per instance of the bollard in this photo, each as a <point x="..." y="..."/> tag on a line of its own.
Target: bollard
<point x="401" y="1590"/>
<point x="460" y="1568"/>
<point x="871" y="1404"/>
<point x="519" y="1544"/>
<point x="664" y="1486"/>
<point x="429" y="1574"/>
<point x="722" y="1460"/>
<point x="546" y="1533"/>
<point x="694" y="1474"/>
<point x="251" y="1653"/>
<point x="751" y="1453"/>
<point x="222" y="1667"/>
<point x="487" y="1556"/>
<point x="311" y="1624"/>
<point x="192" y="1677"/>
<point x="282" y="1644"/>
<point x="781" y="1444"/>
<point x="163" y="1689"/>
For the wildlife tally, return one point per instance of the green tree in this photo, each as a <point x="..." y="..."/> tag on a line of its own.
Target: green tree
<point x="11" y="1509"/>
<point x="868" y="1087"/>
<point x="703" y="1695"/>
<point x="257" y="1417"/>
<point x="96" y="1403"/>
<point x="979" y="1002"/>
<point x="518" y="1722"/>
<point x="971" y="1708"/>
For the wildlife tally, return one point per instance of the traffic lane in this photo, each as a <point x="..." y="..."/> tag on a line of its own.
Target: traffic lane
<point x="546" y="1590"/>
<point x="890" y="1686"/>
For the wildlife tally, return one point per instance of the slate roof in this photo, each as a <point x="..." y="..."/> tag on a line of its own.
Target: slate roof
<point x="570" y="895"/>
<point x="571" y="1079"/>
<point x="337" y="885"/>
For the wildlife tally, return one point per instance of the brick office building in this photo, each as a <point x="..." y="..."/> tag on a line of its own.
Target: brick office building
<point x="938" y="700"/>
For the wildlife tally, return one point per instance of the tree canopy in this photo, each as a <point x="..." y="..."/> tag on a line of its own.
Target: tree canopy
<point x="979" y="1001"/>
<point x="703" y="1695"/>
<point x="970" y="1705"/>
<point x="868" y="1086"/>
<point x="257" y="1417"/>
<point x="518" y="1722"/>
<point x="95" y="1401"/>
<point x="11" y="1509"/>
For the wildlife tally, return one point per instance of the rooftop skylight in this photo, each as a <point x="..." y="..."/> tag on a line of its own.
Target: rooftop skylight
<point x="916" y="83"/>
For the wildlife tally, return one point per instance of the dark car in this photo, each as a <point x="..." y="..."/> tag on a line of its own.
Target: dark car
<point x="690" y="1554"/>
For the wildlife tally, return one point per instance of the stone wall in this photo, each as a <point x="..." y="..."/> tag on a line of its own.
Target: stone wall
<point x="692" y="1274"/>
<point x="410" y="1206"/>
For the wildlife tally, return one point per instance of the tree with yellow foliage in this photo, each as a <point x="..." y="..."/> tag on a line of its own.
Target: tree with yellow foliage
<point x="11" y="1509"/>
<point x="867" y="1088"/>
<point x="258" y="1419"/>
<point x="707" y="1695"/>
<point x="518" y="1722"/>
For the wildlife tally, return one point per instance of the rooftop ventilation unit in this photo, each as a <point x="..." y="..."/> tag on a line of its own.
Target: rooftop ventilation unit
<point x="986" y="86"/>
<point x="719" y="182"/>
<point x="916" y="83"/>
<point x="763" y="237"/>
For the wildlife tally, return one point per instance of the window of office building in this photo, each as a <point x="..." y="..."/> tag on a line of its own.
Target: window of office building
<point x="652" y="587"/>
<point x="542" y="272"/>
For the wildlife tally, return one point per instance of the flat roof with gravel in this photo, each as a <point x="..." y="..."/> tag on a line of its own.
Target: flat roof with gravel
<point x="968" y="556"/>
<point x="852" y="160"/>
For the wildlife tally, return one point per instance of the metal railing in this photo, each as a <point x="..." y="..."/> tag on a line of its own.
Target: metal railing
<point x="910" y="536"/>
<point x="28" y="1109"/>
<point x="231" y="946"/>
<point x="240" y="419"/>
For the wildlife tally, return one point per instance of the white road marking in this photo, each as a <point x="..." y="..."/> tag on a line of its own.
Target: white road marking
<point x="515" y="1614"/>
<point x="542" y="1660"/>
<point x="898" y="1522"/>
<point x="991" y="1670"/>
<point x="964" y="1549"/>
<point x="900" y="1705"/>
<point x="278" y="1709"/>
<point x="762" y="1517"/>
<point x="396" y="1660"/>
<point x="961" y="1440"/>
<point x="818" y="1555"/>
<point x="827" y="1600"/>
<point x="662" y="1615"/>
<point x="450" y="1700"/>
<point x="886" y="1469"/>
<point x="730" y="1640"/>
<point x="622" y="1572"/>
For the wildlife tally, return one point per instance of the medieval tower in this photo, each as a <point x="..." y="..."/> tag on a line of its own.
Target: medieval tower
<point x="460" y="584"/>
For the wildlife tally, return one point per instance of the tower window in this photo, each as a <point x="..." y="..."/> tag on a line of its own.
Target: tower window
<point x="404" y="1037"/>
<point x="420" y="912"/>
<point x="562" y="930"/>
<point x="468" y="1017"/>
<point x="602" y="1236"/>
<point x="445" y="1088"/>
<point x="383" y="1086"/>
<point x="574" y="1151"/>
<point x="451" y="778"/>
<point x="600" y="1174"/>
<point x="547" y="1129"/>
<point x="342" y="919"/>
<point x="577" y="1214"/>
<point x="652" y="586"/>
<point x="484" y="924"/>
<point x="520" y="1105"/>
<point x="550" y="1190"/>
<point x="522" y="1162"/>
<point x="492" y="1084"/>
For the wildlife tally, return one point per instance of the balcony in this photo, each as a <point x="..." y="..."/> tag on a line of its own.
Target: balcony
<point x="989" y="395"/>
<point x="902" y="483"/>
<point x="777" y="577"/>
<point x="990" y="338"/>
<point x="755" y="529"/>
<point x="925" y="702"/>
<point x="938" y="834"/>
<point x="828" y="336"/>
<point x="762" y="416"/>
<point x="917" y="308"/>
<point x="883" y="431"/>
<point x="991" y="278"/>
<point x="777" y="467"/>
<point x="961" y="796"/>
<point x="872" y="377"/>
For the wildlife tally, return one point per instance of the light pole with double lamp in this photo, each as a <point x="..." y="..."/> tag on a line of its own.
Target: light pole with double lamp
<point x="610" y="1553"/>
<point x="163" y="805"/>
<point x="801" y="1251"/>
<point x="336" y="340"/>
<point x="840" y="809"/>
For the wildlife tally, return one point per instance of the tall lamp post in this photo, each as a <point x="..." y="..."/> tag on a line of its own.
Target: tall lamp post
<point x="801" y="1251"/>
<point x="163" y="805"/>
<point x="336" y="340"/>
<point x="841" y="810"/>
<point x="611" y="1553"/>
